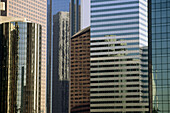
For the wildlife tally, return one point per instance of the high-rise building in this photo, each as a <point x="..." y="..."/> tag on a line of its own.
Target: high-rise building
<point x="20" y="66"/>
<point x="85" y="13"/>
<point x="119" y="58"/>
<point x="2" y="6"/>
<point x="49" y="52"/>
<point x="80" y="72"/>
<point x="75" y="16"/>
<point x="159" y="47"/>
<point x="36" y="12"/>
<point x="61" y="56"/>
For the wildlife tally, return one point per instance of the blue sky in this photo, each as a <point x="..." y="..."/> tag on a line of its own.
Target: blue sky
<point x="60" y="5"/>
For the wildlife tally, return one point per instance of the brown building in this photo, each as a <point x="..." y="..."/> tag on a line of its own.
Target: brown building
<point x="80" y="72"/>
<point x="36" y="12"/>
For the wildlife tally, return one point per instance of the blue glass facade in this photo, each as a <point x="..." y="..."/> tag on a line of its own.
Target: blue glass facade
<point x="160" y="20"/>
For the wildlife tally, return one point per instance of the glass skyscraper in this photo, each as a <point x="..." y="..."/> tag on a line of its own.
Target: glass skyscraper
<point x="75" y="19"/>
<point x="20" y="67"/>
<point x="160" y="55"/>
<point x="36" y="12"/>
<point x="119" y="56"/>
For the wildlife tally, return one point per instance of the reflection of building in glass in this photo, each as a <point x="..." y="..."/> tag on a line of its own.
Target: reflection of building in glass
<point x="61" y="55"/>
<point x="119" y="58"/>
<point x="160" y="55"/>
<point x="36" y="12"/>
<point x="20" y="67"/>
<point x="80" y="72"/>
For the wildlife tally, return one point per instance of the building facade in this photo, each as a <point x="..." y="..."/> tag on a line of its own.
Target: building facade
<point x="80" y="72"/>
<point x="49" y="37"/>
<point x="36" y="12"/>
<point x="61" y="56"/>
<point x="75" y="16"/>
<point x="85" y="13"/>
<point x="160" y="55"/>
<point x="119" y="56"/>
<point x="20" y="67"/>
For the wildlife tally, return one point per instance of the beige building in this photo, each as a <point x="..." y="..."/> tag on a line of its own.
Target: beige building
<point x="61" y="53"/>
<point x="36" y="12"/>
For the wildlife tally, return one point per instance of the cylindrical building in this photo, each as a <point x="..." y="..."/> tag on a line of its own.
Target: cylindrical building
<point x="20" y="67"/>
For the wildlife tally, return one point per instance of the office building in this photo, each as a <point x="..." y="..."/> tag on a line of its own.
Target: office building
<point x="36" y="12"/>
<point x="80" y="72"/>
<point x="119" y="57"/>
<point x="49" y="37"/>
<point x="2" y="6"/>
<point x="55" y="6"/>
<point x="159" y="55"/>
<point x="75" y="16"/>
<point x="61" y="56"/>
<point x="85" y="13"/>
<point x="20" y="66"/>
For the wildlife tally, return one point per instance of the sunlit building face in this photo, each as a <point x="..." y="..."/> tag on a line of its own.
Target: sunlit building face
<point x="118" y="56"/>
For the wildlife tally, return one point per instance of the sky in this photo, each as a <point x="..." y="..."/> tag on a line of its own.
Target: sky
<point x="63" y="5"/>
<point x="60" y="5"/>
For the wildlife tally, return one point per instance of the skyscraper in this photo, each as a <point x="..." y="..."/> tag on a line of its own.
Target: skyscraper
<point x="75" y="16"/>
<point x="61" y="56"/>
<point x="49" y="62"/>
<point x="35" y="11"/>
<point x="85" y="13"/>
<point x="20" y="66"/>
<point x="80" y="72"/>
<point x="160" y="55"/>
<point x="119" y="57"/>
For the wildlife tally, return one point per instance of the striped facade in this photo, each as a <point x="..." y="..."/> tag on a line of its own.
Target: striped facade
<point x="119" y="62"/>
<point x="80" y="72"/>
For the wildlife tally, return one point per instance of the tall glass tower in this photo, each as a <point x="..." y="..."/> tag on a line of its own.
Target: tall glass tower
<point x="75" y="19"/>
<point x="20" y="67"/>
<point x="160" y="54"/>
<point x="119" y="56"/>
<point x="36" y="12"/>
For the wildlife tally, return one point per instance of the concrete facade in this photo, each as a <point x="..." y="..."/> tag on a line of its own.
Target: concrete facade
<point x="61" y="70"/>
<point x="80" y="72"/>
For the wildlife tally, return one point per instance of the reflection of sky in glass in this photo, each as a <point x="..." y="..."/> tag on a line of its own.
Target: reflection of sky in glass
<point x="160" y="55"/>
